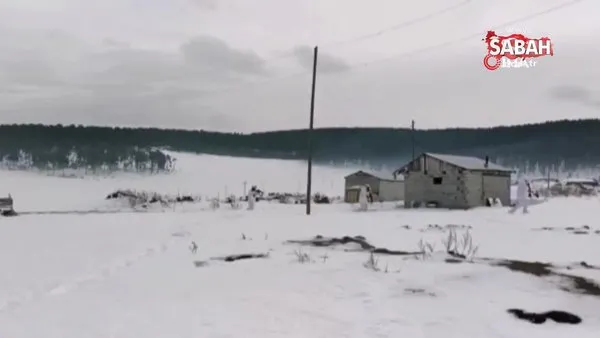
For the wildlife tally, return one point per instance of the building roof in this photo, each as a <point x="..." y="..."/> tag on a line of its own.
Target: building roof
<point x="363" y="173"/>
<point x="464" y="162"/>
<point x="468" y="162"/>
<point x="359" y="173"/>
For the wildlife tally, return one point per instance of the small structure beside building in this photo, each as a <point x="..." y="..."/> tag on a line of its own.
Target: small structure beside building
<point x="383" y="189"/>
<point x="454" y="182"/>
<point x="6" y="206"/>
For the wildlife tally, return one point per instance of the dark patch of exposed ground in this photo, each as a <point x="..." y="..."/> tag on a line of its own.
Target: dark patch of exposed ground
<point x="437" y="227"/>
<point x="581" y="230"/>
<point x="8" y="213"/>
<point x="577" y="284"/>
<point x="320" y="241"/>
<point x="149" y="197"/>
<point x="413" y="291"/>
<point x="200" y="264"/>
<point x="232" y="258"/>
<point x="562" y="317"/>
<point x="239" y="257"/>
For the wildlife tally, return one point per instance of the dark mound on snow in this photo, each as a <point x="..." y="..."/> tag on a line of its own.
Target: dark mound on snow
<point x="145" y="197"/>
<point x="562" y="317"/>
<point x="8" y="213"/>
<point x="576" y="284"/>
<point x="320" y="241"/>
<point x="233" y="258"/>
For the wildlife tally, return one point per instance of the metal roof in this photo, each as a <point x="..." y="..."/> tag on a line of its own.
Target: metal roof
<point x="464" y="162"/>
<point x="468" y="162"/>
<point x="364" y="173"/>
<point x="360" y="173"/>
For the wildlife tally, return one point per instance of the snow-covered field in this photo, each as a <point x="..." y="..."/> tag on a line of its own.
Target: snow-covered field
<point x="204" y="175"/>
<point x="133" y="275"/>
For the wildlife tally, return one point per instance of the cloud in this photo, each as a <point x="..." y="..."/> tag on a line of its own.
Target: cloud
<point x="109" y="42"/>
<point x="575" y="94"/>
<point x="211" y="53"/>
<point x="325" y="63"/>
<point x="121" y="85"/>
<point x="206" y="4"/>
<point x="570" y="92"/>
<point x="246" y="65"/>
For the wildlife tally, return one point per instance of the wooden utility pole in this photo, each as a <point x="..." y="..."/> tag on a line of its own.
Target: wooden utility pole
<point x="412" y="136"/>
<point x="310" y="133"/>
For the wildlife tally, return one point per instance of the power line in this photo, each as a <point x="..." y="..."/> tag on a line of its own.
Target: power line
<point x="470" y="36"/>
<point x="292" y="52"/>
<point x="382" y="31"/>
<point x="401" y="25"/>
<point x="462" y="39"/>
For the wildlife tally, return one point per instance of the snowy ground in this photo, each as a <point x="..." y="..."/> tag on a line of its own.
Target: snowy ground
<point x="132" y="274"/>
<point x="204" y="175"/>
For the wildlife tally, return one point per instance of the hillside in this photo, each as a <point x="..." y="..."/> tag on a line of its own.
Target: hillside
<point x="550" y="143"/>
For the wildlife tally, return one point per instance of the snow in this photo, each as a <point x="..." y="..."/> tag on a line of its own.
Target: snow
<point x="206" y="175"/>
<point x="133" y="275"/>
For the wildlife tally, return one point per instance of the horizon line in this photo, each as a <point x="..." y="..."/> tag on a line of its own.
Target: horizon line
<point x="63" y="125"/>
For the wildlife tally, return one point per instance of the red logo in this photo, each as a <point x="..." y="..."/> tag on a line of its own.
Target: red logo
<point x="515" y="50"/>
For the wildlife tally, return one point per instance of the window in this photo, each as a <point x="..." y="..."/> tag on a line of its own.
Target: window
<point x="437" y="180"/>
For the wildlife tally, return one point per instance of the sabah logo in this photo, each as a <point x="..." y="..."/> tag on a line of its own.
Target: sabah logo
<point x="515" y="50"/>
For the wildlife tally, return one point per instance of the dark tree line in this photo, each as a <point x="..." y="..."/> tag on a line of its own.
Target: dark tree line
<point x="115" y="159"/>
<point x="57" y="147"/>
<point x="573" y="142"/>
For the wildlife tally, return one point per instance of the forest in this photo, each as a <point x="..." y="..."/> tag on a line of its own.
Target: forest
<point x="572" y="142"/>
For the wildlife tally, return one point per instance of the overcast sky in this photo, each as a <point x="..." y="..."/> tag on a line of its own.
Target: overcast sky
<point x="241" y="65"/>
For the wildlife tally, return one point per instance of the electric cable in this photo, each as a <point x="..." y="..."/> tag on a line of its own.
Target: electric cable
<point x="418" y="51"/>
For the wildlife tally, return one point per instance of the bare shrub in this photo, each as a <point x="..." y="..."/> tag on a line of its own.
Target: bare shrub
<point x="302" y="257"/>
<point x="215" y="203"/>
<point x="372" y="263"/>
<point x="146" y="198"/>
<point x="233" y="202"/>
<point x="419" y="291"/>
<point x="426" y="249"/>
<point x="460" y="247"/>
<point x="200" y="264"/>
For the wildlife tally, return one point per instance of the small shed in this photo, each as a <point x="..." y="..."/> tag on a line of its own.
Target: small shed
<point x="6" y="206"/>
<point x="383" y="189"/>
<point x="455" y="182"/>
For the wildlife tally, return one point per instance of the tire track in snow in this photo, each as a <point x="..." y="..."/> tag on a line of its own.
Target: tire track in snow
<point x="89" y="212"/>
<point x="63" y="288"/>
<point x="66" y="287"/>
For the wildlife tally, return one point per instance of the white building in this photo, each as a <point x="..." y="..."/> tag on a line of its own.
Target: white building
<point x="456" y="182"/>
<point x="383" y="189"/>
